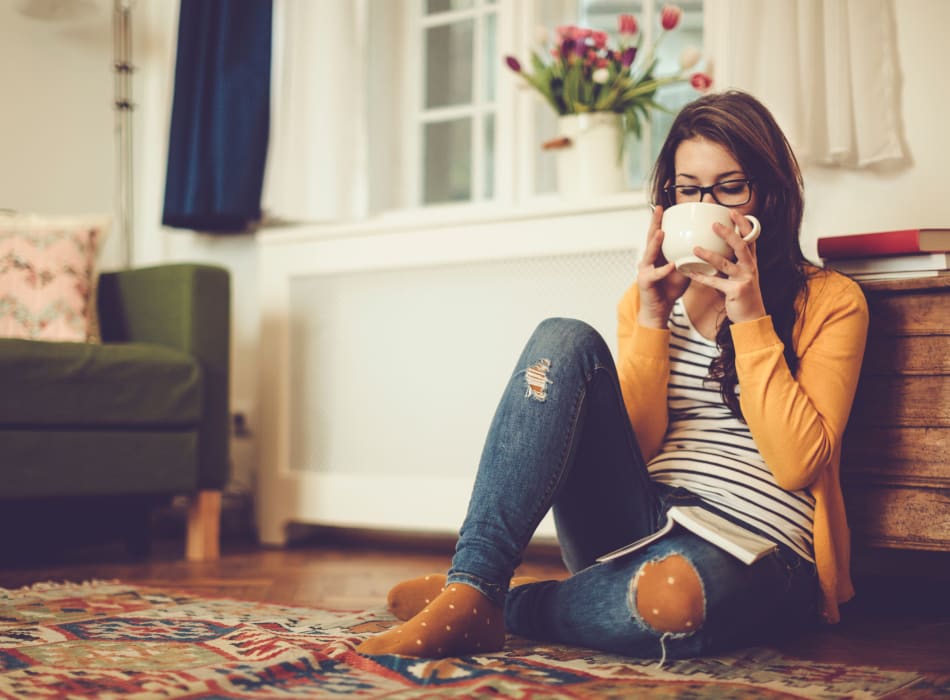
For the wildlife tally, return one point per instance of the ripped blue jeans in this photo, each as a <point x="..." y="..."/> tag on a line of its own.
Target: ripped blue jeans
<point x="561" y="439"/>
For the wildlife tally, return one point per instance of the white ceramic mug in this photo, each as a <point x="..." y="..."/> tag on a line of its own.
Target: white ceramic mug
<point x="688" y="225"/>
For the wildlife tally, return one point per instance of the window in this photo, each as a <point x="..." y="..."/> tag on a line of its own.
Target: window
<point x="457" y="105"/>
<point x="464" y="137"/>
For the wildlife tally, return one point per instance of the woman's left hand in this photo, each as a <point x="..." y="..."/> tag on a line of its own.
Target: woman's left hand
<point x="740" y="286"/>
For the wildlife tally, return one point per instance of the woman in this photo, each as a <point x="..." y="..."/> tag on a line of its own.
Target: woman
<point x="731" y="391"/>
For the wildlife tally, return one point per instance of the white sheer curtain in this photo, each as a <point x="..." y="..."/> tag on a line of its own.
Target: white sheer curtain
<point x="828" y="70"/>
<point x="317" y="157"/>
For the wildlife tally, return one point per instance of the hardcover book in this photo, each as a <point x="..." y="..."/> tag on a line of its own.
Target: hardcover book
<point x="914" y="274"/>
<point x="892" y="263"/>
<point x="882" y="243"/>
<point x="746" y="546"/>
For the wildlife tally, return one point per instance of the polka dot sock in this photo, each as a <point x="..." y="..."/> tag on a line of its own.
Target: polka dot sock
<point x="407" y="598"/>
<point x="458" y="621"/>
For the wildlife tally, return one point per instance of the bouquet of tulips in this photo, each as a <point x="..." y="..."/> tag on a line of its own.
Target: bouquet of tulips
<point x="580" y="72"/>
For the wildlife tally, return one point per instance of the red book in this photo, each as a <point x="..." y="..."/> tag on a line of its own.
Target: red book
<point x="870" y="245"/>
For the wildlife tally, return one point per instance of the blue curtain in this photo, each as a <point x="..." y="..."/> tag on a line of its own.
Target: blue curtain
<point x="220" y="115"/>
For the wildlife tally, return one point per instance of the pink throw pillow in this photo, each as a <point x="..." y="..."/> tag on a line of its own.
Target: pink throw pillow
<point x="48" y="277"/>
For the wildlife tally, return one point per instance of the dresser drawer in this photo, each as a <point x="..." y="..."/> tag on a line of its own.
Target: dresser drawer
<point x="888" y="516"/>
<point x="902" y="456"/>
<point x="913" y="313"/>
<point x="919" y="354"/>
<point x="898" y="401"/>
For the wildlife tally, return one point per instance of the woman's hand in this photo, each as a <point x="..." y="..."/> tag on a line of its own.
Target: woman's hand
<point x="659" y="282"/>
<point x="740" y="286"/>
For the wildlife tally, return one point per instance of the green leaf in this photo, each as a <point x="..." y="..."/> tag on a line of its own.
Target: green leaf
<point x="538" y="64"/>
<point x="572" y="88"/>
<point x="607" y="99"/>
<point x="631" y="122"/>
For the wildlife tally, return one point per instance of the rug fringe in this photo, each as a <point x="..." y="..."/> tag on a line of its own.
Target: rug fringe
<point x="46" y="586"/>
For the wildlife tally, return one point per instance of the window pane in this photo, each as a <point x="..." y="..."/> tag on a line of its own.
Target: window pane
<point x="489" y="123"/>
<point x="435" y="6"/>
<point x="447" y="149"/>
<point x="492" y="61"/>
<point x="449" y="64"/>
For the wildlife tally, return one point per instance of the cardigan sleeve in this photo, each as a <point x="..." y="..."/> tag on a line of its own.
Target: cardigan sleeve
<point x="643" y="366"/>
<point x="798" y="422"/>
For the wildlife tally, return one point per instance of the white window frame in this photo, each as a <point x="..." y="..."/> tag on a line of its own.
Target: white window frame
<point x="478" y="110"/>
<point x="514" y="108"/>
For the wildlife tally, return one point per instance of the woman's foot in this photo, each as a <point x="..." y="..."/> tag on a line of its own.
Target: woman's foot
<point x="408" y="598"/>
<point x="458" y="621"/>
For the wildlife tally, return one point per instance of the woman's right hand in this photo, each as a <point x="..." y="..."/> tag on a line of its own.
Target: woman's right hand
<point x="658" y="280"/>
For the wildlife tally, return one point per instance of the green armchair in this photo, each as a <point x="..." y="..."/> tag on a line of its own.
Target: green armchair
<point x="143" y="415"/>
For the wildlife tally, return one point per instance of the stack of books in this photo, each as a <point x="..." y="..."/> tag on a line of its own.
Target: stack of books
<point x="915" y="252"/>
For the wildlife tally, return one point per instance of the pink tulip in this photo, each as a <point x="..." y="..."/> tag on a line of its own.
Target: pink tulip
<point x="627" y="57"/>
<point x="627" y="24"/>
<point x="600" y="39"/>
<point x="701" y="81"/>
<point x="670" y="17"/>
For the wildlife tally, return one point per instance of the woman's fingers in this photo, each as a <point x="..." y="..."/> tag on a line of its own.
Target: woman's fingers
<point x="651" y="251"/>
<point x="744" y="251"/>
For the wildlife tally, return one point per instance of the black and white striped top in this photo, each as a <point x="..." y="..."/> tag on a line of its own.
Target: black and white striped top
<point x="710" y="452"/>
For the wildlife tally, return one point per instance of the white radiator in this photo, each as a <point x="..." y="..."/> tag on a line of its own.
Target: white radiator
<point x="383" y="373"/>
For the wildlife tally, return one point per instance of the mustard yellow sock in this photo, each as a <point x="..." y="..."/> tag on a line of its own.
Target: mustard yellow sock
<point x="522" y="581"/>
<point x="407" y="598"/>
<point x="458" y="621"/>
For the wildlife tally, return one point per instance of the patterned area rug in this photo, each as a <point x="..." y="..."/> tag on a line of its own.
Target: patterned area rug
<point x="111" y="640"/>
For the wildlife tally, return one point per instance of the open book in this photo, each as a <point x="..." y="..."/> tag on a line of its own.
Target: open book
<point x="746" y="546"/>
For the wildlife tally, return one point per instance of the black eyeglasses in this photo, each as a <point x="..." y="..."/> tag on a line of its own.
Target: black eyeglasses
<point x="728" y="193"/>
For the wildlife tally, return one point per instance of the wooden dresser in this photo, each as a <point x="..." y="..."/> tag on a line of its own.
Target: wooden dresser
<point x="896" y="454"/>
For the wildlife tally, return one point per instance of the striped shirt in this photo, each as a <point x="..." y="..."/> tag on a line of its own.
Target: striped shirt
<point x="710" y="452"/>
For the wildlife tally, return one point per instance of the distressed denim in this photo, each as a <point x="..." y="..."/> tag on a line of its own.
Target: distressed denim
<point x="561" y="439"/>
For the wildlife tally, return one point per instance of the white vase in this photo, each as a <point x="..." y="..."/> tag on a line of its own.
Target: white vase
<point x="590" y="165"/>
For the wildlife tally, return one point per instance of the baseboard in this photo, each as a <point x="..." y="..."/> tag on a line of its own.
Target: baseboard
<point x="303" y="536"/>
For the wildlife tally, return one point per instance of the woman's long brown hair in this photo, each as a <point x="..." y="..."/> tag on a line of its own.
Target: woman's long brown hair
<point x="744" y="126"/>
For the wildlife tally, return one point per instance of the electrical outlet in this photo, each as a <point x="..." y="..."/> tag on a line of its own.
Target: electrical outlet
<point x="242" y="419"/>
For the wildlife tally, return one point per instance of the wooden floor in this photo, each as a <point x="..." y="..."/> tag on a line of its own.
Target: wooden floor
<point x="896" y="622"/>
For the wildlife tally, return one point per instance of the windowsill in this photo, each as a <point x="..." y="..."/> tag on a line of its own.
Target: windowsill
<point x="539" y="207"/>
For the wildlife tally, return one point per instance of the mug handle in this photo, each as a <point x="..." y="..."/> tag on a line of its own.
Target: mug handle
<point x="756" y="229"/>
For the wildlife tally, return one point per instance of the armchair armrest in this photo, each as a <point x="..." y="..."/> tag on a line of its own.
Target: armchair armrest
<point x="187" y="307"/>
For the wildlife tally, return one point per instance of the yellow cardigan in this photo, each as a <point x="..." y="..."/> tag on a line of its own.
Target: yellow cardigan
<point x="796" y="422"/>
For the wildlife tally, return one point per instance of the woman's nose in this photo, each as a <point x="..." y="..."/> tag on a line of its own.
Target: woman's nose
<point x="707" y="197"/>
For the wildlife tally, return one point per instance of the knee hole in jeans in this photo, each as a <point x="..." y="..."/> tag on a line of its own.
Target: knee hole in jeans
<point x="537" y="381"/>
<point x="668" y="595"/>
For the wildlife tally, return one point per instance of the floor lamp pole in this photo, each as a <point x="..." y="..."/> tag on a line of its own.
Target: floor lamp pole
<point x="122" y="63"/>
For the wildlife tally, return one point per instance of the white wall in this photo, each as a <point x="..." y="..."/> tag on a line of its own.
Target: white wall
<point x="56" y="116"/>
<point x="57" y="151"/>
<point x="841" y="202"/>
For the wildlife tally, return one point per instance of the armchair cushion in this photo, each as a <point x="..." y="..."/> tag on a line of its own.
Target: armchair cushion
<point x="117" y="384"/>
